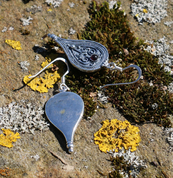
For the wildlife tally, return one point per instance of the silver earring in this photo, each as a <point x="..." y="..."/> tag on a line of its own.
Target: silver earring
<point x="90" y="56"/>
<point x="65" y="109"/>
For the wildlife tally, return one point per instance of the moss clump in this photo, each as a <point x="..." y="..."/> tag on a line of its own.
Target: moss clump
<point x="26" y="1"/>
<point x="110" y="28"/>
<point x="124" y="168"/>
<point x="120" y="165"/>
<point x="24" y="31"/>
<point x="137" y="103"/>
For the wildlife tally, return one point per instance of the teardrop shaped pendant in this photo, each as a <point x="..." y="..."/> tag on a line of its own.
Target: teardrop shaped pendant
<point x="85" y="55"/>
<point x="90" y="56"/>
<point x="65" y="109"/>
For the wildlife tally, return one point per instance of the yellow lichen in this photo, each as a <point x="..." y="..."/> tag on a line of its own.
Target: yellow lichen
<point x="8" y="137"/>
<point x="145" y="11"/>
<point x="45" y="63"/>
<point x="14" y="44"/>
<point x="116" y="134"/>
<point x="42" y="84"/>
<point x="49" y="10"/>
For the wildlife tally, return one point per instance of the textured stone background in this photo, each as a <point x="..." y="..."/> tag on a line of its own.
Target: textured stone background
<point x="87" y="158"/>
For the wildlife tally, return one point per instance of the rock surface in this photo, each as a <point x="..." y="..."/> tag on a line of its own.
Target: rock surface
<point x="31" y="155"/>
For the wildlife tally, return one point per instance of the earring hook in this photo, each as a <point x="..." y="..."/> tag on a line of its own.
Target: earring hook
<point x="63" y="86"/>
<point x="112" y="66"/>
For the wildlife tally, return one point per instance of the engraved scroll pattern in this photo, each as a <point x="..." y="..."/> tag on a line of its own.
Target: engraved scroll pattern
<point x="83" y="55"/>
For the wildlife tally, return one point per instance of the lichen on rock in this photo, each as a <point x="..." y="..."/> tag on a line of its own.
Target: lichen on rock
<point x="126" y="164"/>
<point x="14" y="44"/>
<point x="42" y="84"/>
<point x="116" y="134"/>
<point x="55" y="3"/>
<point x="23" y="118"/>
<point x="8" y="138"/>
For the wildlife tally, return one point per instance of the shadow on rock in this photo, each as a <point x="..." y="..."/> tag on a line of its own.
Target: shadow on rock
<point x="59" y="136"/>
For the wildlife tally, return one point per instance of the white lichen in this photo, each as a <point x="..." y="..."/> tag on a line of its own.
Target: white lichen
<point x="25" y="118"/>
<point x="162" y="50"/>
<point x="55" y="48"/>
<point x="36" y="57"/>
<point x="170" y="87"/>
<point x="169" y="132"/>
<point x="154" y="106"/>
<point x="112" y="3"/>
<point x="4" y="29"/>
<point x="55" y="3"/>
<point x="11" y="29"/>
<point x="151" y="11"/>
<point x="168" y="23"/>
<point x="151" y="83"/>
<point x="36" y="157"/>
<point x="71" y="4"/>
<point x="170" y="139"/>
<point x="102" y="98"/>
<point x="71" y="31"/>
<point x="34" y="9"/>
<point x="26" y="22"/>
<point x="24" y="65"/>
<point x="130" y="158"/>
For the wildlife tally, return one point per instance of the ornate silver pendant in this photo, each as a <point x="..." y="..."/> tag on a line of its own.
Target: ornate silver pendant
<point x="85" y="55"/>
<point x="90" y="56"/>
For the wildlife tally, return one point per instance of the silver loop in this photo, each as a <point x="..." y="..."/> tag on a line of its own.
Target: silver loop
<point x="112" y="66"/>
<point x="63" y="86"/>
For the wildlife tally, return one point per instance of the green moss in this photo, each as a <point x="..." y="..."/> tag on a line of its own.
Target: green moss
<point x="119" y="165"/>
<point x="26" y="1"/>
<point x="24" y="31"/>
<point x="110" y="28"/>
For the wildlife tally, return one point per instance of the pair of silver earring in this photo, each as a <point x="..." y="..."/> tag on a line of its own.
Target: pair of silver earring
<point x="65" y="109"/>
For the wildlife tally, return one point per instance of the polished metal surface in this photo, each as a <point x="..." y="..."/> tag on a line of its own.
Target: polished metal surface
<point x="85" y="55"/>
<point x="122" y="69"/>
<point x="90" y="56"/>
<point x="63" y="85"/>
<point x="65" y="110"/>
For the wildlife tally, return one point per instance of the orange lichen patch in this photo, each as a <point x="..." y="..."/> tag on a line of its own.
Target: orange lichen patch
<point x="14" y="44"/>
<point x="5" y="172"/>
<point x="42" y="84"/>
<point x="116" y="134"/>
<point x="8" y="137"/>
